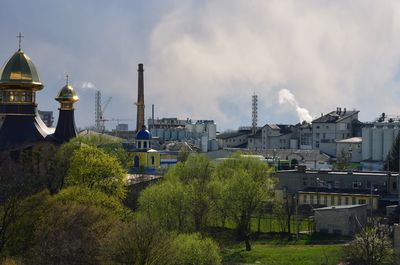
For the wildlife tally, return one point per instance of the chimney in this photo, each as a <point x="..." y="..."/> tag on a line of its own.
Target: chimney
<point x="152" y="115"/>
<point x="140" y="100"/>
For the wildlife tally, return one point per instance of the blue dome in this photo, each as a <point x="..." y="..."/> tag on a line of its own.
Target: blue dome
<point x="143" y="134"/>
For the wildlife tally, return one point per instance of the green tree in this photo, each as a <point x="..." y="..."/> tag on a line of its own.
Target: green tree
<point x="372" y="246"/>
<point x="193" y="250"/>
<point x="138" y="242"/>
<point x="182" y="201"/>
<point x="93" y="168"/>
<point x="70" y="234"/>
<point x="343" y="160"/>
<point x="246" y="185"/>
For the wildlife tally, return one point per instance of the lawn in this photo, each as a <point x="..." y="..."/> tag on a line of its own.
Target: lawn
<point x="283" y="254"/>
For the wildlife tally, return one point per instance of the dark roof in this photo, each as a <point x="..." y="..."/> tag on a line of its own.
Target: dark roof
<point x="335" y="116"/>
<point x="231" y="134"/>
<point x="346" y="191"/>
<point x="20" y="131"/>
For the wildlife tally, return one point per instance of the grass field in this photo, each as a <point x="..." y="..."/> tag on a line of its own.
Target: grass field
<point x="280" y="249"/>
<point x="267" y="254"/>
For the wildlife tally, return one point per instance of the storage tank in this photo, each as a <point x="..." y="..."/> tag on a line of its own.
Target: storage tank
<point x="213" y="144"/>
<point x="160" y="133"/>
<point x="212" y="130"/>
<point x="204" y="143"/>
<point x="294" y="144"/>
<point x="174" y="135"/>
<point x="387" y="141"/>
<point x="396" y="131"/>
<point x="377" y="144"/>
<point x="366" y="143"/>
<point x="181" y="135"/>
<point x="200" y="127"/>
<point x="189" y="127"/>
<point x="167" y="134"/>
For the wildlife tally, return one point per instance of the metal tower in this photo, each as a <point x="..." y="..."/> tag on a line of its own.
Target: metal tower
<point x="254" y="113"/>
<point x="99" y="112"/>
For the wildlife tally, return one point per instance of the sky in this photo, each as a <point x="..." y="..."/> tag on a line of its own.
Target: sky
<point x="205" y="59"/>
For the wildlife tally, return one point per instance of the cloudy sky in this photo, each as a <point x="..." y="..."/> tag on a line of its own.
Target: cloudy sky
<point x="204" y="59"/>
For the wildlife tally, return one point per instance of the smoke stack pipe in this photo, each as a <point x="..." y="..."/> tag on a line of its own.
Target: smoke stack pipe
<point x="152" y="115"/>
<point x="140" y="100"/>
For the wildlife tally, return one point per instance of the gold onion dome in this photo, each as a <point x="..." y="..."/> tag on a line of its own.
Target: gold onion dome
<point x="20" y="71"/>
<point x="67" y="94"/>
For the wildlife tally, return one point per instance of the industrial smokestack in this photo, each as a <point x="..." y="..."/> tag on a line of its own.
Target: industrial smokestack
<point x="140" y="100"/>
<point x="152" y="115"/>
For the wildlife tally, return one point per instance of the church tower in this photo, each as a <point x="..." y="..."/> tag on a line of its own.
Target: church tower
<point x="140" y="100"/>
<point x="66" y="128"/>
<point x="19" y="82"/>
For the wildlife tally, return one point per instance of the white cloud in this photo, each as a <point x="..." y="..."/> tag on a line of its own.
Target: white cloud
<point x="329" y="53"/>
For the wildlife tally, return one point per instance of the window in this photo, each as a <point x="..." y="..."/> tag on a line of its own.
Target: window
<point x="153" y="160"/>
<point x="353" y="200"/>
<point x="311" y="199"/>
<point x="317" y="135"/>
<point x="394" y="185"/>
<point x="332" y="200"/>
<point x="346" y="200"/>
<point x="356" y="185"/>
<point x="304" y="198"/>
<point x="339" y="200"/>
<point x="325" y="199"/>
<point x="317" y="127"/>
<point x="317" y="144"/>
<point x="139" y="144"/>
<point x="323" y="135"/>
<point x="144" y="144"/>
<point x="362" y="201"/>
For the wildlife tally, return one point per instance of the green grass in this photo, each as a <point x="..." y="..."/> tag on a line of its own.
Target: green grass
<point x="280" y="249"/>
<point x="283" y="254"/>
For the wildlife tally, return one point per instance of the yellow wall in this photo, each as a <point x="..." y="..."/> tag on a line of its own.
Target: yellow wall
<point x="336" y="196"/>
<point x="145" y="159"/>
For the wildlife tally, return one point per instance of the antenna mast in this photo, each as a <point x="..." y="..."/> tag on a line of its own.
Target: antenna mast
<point x="254" y="113"/>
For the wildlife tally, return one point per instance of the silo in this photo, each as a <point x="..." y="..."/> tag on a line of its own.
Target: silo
<point x="377" y="144"/>
<point x="200" y="127"/>
<point x="294" y="144"/>
<point x="174" y="135"/>
<point x="181" y="135"/>
<point x="167" y="134"/>
<point x="214" y="144"/>
<point x="396" y="131"/>
<point x="189" y="127"/>
<point x="387" y="141"/>
<point x="212" y="130"/>
<point x="366" y="143"/>
<point x="204" y="143"/>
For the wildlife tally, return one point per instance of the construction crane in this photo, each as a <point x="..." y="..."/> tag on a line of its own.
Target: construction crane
<point x="99" y="112"/>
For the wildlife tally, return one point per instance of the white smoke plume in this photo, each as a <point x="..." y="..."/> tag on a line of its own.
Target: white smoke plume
<point x="88" y="85"/>
<point x="285" y="96"/>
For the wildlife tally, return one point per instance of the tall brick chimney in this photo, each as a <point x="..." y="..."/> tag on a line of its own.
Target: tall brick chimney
<point x="140" y="100"/>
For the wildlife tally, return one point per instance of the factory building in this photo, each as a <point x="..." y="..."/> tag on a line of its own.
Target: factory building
<point x="377" y="140"/>
<point x="334" y="126"/>
<point x="202" y="133"/>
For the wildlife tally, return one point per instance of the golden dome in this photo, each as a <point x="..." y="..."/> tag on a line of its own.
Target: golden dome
<point x="20" y="71"/>
<point x="67" y="94"/>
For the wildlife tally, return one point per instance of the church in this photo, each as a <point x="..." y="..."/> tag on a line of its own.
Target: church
<point x="21" y="127"/>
